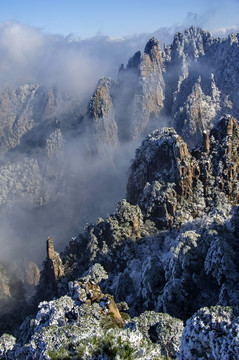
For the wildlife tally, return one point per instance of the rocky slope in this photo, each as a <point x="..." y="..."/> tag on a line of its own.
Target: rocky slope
<point x="171" y="252"/>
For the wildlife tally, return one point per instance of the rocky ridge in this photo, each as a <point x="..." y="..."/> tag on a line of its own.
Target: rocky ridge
<point x="33" y="127"/>
<point x="178" y="275"/>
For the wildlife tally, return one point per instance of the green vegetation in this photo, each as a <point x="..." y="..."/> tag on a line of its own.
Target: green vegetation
<point x="125" y="316"/>
<point x="96" y="347"/>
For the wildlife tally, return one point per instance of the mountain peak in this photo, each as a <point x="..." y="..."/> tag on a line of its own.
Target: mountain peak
<point x="150" y="45"/>
<point x="165" y="177"/>
<point x="152" y="48"/>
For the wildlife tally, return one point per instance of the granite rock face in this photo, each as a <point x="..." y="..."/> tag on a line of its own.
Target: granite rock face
<point x="148" y="95"/>
<point x="72" y="328"/>
<point x="29" y="113"/>
<point x="188" y="85"/>
<point x="33" y="127"/>
<point x="167" y="273"/>
<point x="198" y="70"/>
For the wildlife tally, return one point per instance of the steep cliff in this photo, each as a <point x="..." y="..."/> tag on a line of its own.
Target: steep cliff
<point x="101" y="117"/>
<point x="171" y="185"/>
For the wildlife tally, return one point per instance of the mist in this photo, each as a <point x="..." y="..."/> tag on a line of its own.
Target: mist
<point x="90" y="188"/>
<point x="80" y="188"/>
<point x="28" y="55"/>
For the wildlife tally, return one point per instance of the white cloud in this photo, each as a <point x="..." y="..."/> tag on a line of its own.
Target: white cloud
<point x="29" y="55"/>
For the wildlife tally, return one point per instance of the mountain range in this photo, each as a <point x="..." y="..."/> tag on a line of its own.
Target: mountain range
<point x="168" y="254"/>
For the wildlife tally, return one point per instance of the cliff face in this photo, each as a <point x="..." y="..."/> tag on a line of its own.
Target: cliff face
<point x="199" y="87"/>
<point x="171" y="185"/>
<point x="28" y="115"/>
<point x="188" y="86"/>
<point x="147" y="87"/>
<point x="33" y="127"/>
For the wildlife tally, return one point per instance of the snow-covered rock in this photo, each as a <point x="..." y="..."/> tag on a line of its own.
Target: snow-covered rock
<point x="212" y="333"/>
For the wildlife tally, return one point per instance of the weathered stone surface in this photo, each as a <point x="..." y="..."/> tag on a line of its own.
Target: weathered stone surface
<point x="164" y="176"/>
<point x="220" y="166"/>
<point x="198" y="87"/>
<point x="186" y="86"/>
<point x="174" y="246"/>
<point x="140" y="94"/>
<point x="173" y="189"/>
<point x="27" y="108"/>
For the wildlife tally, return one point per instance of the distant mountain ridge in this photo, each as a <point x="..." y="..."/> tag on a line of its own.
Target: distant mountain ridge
<point x="188" y="85"/>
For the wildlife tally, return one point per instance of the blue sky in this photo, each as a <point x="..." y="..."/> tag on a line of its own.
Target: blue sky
<point x="118" y="18"/>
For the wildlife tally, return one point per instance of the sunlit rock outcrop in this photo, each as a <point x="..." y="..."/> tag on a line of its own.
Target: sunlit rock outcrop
<point x="171" y="185"/>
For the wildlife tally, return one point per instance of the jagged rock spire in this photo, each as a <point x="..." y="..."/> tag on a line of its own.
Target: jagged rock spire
<point x="53" y="267"/>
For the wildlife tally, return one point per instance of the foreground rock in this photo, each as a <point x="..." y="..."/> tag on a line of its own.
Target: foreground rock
<point x="83" y="325"/>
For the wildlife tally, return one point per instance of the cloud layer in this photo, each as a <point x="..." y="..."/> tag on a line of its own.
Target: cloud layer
<point x="29" y="55"/>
